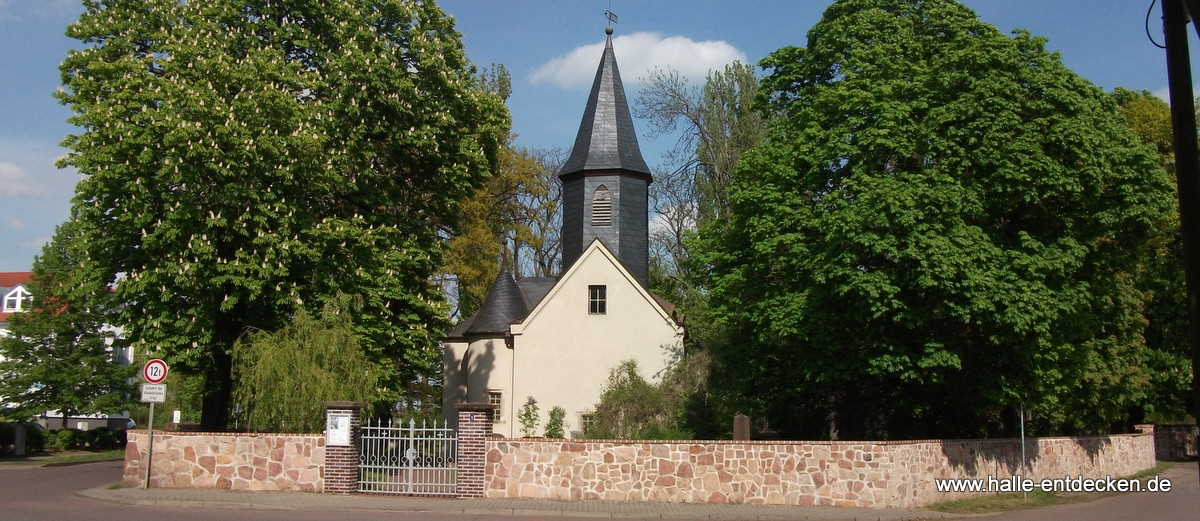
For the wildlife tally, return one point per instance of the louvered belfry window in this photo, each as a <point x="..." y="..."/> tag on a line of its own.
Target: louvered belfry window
<point x="602" y="207"/>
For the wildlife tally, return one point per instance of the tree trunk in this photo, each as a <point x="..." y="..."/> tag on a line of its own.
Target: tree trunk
<point x="218" y="376"/>
<point x="218" y="388"/>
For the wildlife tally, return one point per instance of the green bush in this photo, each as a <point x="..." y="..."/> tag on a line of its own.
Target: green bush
<point x="528" y="417"/>
<point x="35" y="438"/>
<point x="102" y="438"/>
<point x="65" y="439"/>
<point x="556" y="425"/>
<point x="7" y="437"/>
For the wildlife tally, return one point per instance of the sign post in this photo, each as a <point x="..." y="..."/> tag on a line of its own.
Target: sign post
<point x="155" y="371"/>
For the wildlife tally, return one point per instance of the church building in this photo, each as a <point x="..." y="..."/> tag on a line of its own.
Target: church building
<point x="557" y="339"/>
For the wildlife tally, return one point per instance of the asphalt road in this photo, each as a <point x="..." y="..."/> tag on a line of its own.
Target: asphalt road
<point x="49" y="494"/>
<point x="31" y="493"/>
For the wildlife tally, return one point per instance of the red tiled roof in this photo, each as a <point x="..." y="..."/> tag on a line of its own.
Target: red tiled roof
<point x="9" y="279"/>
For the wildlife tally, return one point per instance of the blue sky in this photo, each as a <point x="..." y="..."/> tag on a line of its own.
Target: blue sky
<point x="551" y="48"/>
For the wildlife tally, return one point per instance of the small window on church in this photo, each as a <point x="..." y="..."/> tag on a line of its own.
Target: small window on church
<point x="587" y="420"/>
<point x="597" y="300"/>
<point x="495" y="399"/>
<point x="602" y="207"/>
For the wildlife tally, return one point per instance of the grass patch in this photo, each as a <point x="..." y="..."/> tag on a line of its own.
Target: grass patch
<point x="67" y="457"/>
<point x="997" y="503"/>
<point x="1037" y="498"/>
<point x="84" y="456"/>
<point x="1152" y="471"/>
<point x="116" y="486"/>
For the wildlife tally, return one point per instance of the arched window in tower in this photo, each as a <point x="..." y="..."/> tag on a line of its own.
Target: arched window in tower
<point x="602" y="207"/>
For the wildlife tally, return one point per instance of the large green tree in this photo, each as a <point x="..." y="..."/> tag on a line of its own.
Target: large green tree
<point x="1168" y="360"/>
<point x="60" y="355"/>
<point x="244" y="158"/>
<point x="945" y="223"/>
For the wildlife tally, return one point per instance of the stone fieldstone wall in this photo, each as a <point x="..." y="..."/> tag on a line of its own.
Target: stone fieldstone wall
<point x="293" y="462"/>
<point x="860" y="474"/>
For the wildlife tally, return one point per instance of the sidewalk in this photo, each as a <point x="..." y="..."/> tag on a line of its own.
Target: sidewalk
<point x="525" y="507"/>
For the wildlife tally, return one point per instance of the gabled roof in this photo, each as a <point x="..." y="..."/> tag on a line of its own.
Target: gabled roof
<point x="606" y="139"/>
<point x="10" y="279"/>
<point x="664" y="309"/>
<point x="511" y="302"/>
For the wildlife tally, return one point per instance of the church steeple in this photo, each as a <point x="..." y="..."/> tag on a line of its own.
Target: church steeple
<point x="606" y="138"/>
<point x="605" y="179"/>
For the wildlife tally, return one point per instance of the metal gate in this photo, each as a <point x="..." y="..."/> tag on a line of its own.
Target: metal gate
<point x="395" y="459"/>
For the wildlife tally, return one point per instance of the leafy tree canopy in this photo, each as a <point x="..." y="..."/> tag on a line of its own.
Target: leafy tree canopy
<point x="1168" y="360"/>
<point x="946" y="222"/>
<point x="245" y="158"/>
<point x="59" y="354"/>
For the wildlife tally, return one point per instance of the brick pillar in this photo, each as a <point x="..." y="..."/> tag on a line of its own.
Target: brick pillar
<point x="474" y="428"/>
<point x="341" y="446"/>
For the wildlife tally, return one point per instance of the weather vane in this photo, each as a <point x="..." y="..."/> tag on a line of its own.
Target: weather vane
<point x="612" y="19"/>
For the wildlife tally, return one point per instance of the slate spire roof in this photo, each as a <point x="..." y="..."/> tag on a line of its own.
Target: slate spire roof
<point x="606" y="139"/>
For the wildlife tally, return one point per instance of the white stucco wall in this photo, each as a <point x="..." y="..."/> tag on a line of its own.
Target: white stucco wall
<point x="488" y="367"/>
<point x="561" y="354"/>
<point x="564" y="354"/>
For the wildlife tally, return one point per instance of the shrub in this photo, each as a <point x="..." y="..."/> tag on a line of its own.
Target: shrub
<point x="632" y="408"/>
<point x="7" y="437"/>
<point x="102" y="438"/>
<point x="65" y="439"/>
<point x="556" y="426"/>
<point x="529" y="417"/>
<point x="35" y="438"/>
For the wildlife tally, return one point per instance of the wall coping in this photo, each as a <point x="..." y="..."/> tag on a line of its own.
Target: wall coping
<point x="164" y="432"/>
<point x="473" y="406"/>
<point x="812" y="442"/>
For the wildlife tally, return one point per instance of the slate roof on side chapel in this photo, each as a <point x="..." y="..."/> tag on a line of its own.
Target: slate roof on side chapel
<point x="507" y="301"/>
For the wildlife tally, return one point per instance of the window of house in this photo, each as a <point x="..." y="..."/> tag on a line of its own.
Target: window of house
<point x="602" y="207"/>
<point x="597" y="300"/>
<point x="495" y="399"/>
<point x="17" y="300"/>
<point x="585" y="421"/>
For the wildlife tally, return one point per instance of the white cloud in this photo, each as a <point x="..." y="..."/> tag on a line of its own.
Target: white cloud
<point x="637" y="55"/>
<point x="14" y="182"/>
<point x="15" y="224"/>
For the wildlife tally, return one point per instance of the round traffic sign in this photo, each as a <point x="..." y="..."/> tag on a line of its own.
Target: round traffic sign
<point x="155" y="371"/>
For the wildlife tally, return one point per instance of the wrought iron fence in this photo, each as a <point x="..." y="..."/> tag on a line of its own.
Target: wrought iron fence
<point x="399" y="459"/>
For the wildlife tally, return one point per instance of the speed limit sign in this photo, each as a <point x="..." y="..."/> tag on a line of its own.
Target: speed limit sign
<point x="155" y="371"/>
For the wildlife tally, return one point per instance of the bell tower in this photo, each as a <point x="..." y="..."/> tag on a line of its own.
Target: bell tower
<point x="605" y="181"/>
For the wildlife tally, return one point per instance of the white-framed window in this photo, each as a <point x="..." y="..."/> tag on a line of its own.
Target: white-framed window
<point x="597" y="300"/>
<point x="17" y="300"/>
<point x="602" y="207"/>
<point x="495" y="398"/>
